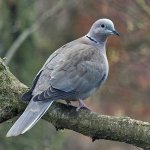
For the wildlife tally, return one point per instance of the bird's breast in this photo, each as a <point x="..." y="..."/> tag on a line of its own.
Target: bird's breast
<point x="106" y="67"/>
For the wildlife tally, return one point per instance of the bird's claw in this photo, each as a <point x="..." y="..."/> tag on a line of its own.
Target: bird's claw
<point x="82" y="105"/>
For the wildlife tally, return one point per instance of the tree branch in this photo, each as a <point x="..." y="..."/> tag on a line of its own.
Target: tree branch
<point x="91" y="124"/>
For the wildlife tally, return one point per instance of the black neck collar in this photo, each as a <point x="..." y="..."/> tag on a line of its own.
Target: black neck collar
<point x="92" y="39"/>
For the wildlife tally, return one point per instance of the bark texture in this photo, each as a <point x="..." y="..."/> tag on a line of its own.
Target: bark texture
<point x="96" y="126"/>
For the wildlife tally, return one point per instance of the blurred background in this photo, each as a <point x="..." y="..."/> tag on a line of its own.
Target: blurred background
<point x="30" y="30"/>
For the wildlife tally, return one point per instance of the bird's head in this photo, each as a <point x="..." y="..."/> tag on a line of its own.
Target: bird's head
<point x="101" y="29"/>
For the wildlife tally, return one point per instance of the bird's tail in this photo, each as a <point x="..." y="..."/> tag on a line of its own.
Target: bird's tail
<point x="31" y="115"/>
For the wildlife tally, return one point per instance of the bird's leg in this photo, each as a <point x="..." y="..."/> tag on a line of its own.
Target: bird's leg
<point x="82" y="105"/>
<point x="68" y="102"/>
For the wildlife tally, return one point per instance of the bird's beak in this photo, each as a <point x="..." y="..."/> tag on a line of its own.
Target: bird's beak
<point x="115" y="33"/>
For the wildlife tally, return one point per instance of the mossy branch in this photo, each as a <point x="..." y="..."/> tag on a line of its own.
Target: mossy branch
<point x="91" y="124"/>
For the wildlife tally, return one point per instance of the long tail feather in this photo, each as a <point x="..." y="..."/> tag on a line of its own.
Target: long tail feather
<point x="31" y="115"/>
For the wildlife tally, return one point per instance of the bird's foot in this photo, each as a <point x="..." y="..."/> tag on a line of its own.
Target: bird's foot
<point x="82" y="105"/>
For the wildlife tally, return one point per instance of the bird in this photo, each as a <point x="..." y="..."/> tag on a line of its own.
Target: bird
<point x="72" y="73"/>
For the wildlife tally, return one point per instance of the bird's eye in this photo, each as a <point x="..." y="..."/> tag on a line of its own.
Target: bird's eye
<point x="102" y="25"/>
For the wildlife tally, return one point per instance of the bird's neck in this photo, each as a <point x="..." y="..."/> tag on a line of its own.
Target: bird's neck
<point x="92" y="39"/>
<point x="97" y="39"/>
<point x="101" y="44"/>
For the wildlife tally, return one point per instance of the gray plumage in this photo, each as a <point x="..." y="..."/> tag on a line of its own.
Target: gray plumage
<point x="73" y="72"/>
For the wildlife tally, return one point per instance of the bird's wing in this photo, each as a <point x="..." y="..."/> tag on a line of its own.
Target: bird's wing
<point x="81" y="70"/>
<point x="51" y="63"/>
<point x="28" y="95"/>
<point x="77" y="69"/>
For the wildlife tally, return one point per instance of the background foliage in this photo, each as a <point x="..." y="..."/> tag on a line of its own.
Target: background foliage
<point x="126" y="92"/>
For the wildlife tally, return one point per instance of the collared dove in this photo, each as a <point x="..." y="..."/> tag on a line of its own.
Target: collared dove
<point x="72" y="73"/>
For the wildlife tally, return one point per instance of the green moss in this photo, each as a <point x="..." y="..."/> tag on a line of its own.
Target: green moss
<point x="11" y="90"/>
